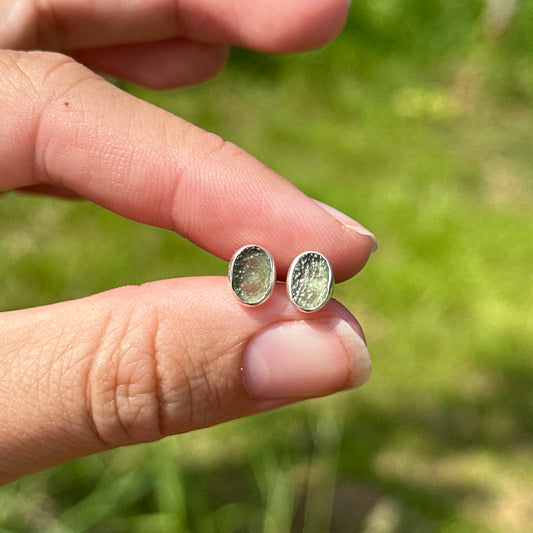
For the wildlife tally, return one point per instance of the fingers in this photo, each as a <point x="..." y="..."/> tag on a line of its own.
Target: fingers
<point x="271" y="26"/>
<point x="63" y="126"/>
<point x="138" y="363"/>
<point x="161" y="65"/>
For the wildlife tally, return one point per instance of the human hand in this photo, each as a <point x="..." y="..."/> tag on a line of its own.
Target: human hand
<point x="138" y="363"/>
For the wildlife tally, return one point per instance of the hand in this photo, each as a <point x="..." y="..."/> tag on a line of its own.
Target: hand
<point x="138" y="363"/>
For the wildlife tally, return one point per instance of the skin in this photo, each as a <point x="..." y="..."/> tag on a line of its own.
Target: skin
<point x="138" y="363"/>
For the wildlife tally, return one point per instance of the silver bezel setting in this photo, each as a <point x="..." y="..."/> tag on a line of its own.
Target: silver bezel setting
<point x="290" y="282"/>
<point x="271" y="282"/>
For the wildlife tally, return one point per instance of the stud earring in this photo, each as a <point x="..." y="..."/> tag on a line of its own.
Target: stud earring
<point x="310" y="281"/>
<point x="252" y="274"/>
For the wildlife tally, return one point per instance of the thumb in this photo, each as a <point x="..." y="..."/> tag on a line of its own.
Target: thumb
<point x="139" y="363"/>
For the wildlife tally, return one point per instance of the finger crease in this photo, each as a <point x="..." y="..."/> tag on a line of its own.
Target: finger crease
<point x="157" y="375"/>
<point x="88" y="388"/>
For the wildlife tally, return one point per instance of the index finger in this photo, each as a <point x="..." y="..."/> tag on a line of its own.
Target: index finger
<point x="265" y="25"/>
<point x="65" y="126"/>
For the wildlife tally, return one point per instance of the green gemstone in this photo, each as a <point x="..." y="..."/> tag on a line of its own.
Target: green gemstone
<point x="310" y="282"/>
<point x="252" y="275"/>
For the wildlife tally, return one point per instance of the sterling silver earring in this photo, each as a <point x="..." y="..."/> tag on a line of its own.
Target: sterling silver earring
<point x="310" y="281"/>
<point x="252" y="274"/>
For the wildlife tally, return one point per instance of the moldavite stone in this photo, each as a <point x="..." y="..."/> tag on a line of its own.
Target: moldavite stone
<point x="252" y="274"/>
<point x="310" y="281"/>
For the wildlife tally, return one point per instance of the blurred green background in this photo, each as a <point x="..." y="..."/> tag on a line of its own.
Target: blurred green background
<point x="418" y="122"/>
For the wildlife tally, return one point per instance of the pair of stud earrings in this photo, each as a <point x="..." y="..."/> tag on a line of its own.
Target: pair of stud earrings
<point x="252" y="275"/>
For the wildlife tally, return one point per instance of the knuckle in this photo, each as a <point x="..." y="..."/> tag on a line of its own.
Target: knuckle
<point x="149" y="379"/>
<point x="53" y="117"/>
<point x="22" y="80"/>
<point x="36" y="66"/>
<point x="123" y="392"/>
<point x="25" y="74"/>
<point x="205" y="151"/>
<point x="57" y="87"/>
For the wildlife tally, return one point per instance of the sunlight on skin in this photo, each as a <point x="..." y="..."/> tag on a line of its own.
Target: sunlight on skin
<point x="139" y="363"/>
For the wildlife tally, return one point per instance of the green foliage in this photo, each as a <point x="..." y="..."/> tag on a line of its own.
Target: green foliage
<point x="417" y="121"/>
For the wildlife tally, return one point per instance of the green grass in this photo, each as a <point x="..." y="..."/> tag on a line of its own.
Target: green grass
<point x="417" y="121"/>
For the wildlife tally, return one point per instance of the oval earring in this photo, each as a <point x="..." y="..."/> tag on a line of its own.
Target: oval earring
<point x="310" y="281"/>
<point x="252" y="274"/>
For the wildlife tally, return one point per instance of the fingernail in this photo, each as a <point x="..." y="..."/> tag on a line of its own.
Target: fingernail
<point x="304" y="359"/>
<point x="349" y="222"/>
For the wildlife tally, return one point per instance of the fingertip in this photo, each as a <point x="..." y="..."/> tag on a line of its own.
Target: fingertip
<point x="308" y="358"/>
<point x="345" y="220"/>
<point x="305" y="26"/>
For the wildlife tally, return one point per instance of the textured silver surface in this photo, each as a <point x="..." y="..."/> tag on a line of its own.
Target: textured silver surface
<point x="251" y="274"/>
<point x="310" y="281"/>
